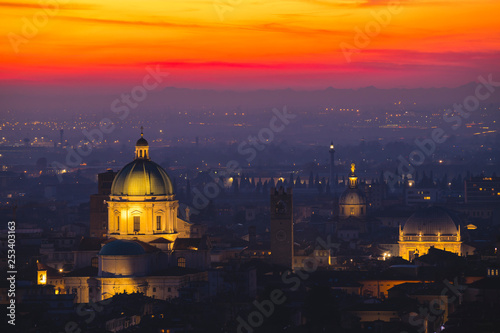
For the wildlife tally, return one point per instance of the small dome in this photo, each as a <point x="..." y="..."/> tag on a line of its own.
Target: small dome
<point x="122" y="248"/>
<point x="352" y="196"/>
<point x="430" y="221"/>
<point x="142" y="177"/>
<point x="142" y="142"/>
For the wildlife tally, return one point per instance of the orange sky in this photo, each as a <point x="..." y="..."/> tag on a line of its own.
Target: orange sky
<point x="252" y="45"/>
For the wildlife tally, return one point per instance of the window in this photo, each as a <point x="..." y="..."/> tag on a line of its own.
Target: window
<point x="154" y="290"/>
<point x="352" y="210"/>
<point x="118" y="223"/>
<point x="158" y="223"/>
<point x="362" y="210"/>
<point x="137" y="223"/>
<point x="181" y="262"/>
<point x="169" y="289"/>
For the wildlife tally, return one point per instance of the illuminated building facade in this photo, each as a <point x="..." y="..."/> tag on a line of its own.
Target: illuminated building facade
<point x="148" y="248"/>
<point x="429" y="227"/>
<point x="142" y="204"/>
<point x="483" y="190"/>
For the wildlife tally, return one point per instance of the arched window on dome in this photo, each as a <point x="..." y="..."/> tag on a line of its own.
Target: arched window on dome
<point x="181" y="262"/>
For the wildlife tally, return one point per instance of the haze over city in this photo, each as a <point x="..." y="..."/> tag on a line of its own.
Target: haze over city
<point x="246" y="166"/>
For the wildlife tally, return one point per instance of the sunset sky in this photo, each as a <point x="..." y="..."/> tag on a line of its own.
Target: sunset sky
<point x="248" y="44"/>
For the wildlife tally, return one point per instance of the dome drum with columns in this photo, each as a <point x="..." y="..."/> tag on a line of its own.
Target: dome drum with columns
<point x="426" y="228"/>
<point x="142" y="201"/>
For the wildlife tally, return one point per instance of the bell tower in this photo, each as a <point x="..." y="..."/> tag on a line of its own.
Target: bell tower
<point x="282" y="227"/>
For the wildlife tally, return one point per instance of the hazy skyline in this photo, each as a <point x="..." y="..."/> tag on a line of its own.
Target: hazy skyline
<point x="87" y="46"/>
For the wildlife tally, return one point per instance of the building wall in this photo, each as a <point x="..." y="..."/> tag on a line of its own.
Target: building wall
<point x="124" y="265"/>
<point x="346" y="211"/>
<point x="482" y="190"/>
<point x="88" y="289"/>
<point x="98" y="215"/>
<point x="423" y="248"/>
<point x="370" y="316"/>
<point x="379" y="288"/>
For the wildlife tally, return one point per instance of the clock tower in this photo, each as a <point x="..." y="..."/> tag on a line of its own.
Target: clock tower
<point x="282" y="227"/>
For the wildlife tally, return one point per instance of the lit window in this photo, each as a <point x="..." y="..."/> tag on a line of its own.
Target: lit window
<point x="137" y="223"/>
<point x="181" y="262"/>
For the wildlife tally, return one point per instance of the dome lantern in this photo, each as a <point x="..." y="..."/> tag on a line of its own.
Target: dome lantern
<point x="353" y="180"/>
<point x="142" y="147"/>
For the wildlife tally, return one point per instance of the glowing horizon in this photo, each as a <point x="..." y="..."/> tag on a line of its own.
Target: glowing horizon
<point x="253" y="45"/>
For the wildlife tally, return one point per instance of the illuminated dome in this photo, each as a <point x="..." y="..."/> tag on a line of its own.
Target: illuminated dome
<point x="352" y="196"/>
<point x="122" y="248"/>
<point x="142" y="177"/>
<point x="430" y="221"/>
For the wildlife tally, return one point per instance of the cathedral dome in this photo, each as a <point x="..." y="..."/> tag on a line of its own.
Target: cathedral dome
<point x="142" y="177"/>
<point x="431" y="221"/>
<point x="122" y="248"/>
<point x="352" y="196"/>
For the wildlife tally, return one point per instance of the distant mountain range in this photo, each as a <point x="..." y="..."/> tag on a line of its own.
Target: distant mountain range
<point x="174" y="98"/>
